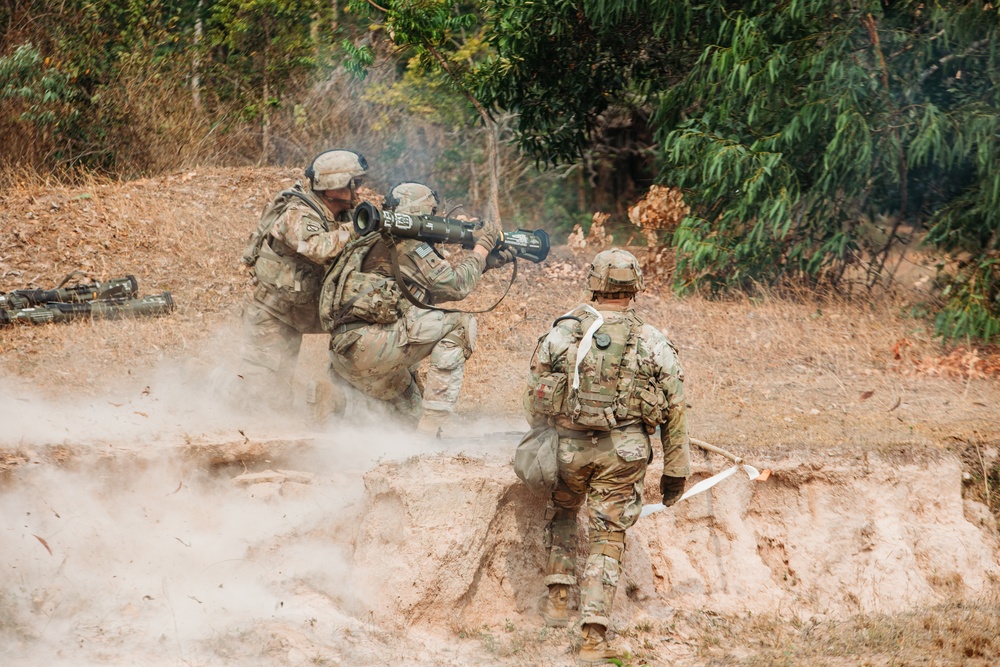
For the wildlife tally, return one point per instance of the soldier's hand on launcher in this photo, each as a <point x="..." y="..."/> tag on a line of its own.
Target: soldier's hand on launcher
<point x="499" y="257"/>
<point x="672" y="488"/>
<point x="488" y="235"/>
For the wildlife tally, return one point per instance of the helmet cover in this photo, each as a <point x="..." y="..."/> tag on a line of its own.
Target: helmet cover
<point x="412" y="198"/>
<point x="335" y="169"/>
<point x="615" y="271"/>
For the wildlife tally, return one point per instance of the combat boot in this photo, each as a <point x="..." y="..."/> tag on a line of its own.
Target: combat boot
<point x="434" y="423"/>
<point x="595" y="648"/>
<point x="554" y="606"/>
<point x="323" y="400"/>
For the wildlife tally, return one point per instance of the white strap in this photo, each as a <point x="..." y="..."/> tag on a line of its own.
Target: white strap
<point x="585" y="342"/>
<point x="703" y="485"/>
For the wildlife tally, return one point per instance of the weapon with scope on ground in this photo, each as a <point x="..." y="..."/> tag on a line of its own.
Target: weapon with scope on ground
<point x="103" y="309"/>
<point x="531" y="245"/>
<point x="117" y="288"/>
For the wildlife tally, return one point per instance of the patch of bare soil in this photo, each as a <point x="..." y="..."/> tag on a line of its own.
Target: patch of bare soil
<point x="147" y="522"/>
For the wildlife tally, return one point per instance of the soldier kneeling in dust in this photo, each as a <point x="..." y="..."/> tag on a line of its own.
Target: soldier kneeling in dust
<point x="379" y="338"/>
<point x="605" y="380"/>
<point x="299" y="234"/>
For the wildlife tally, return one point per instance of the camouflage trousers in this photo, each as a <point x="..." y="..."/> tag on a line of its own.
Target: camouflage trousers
<point x="269" y="355"/>
<point x="608" y="472"/>
<point x="380" y="359"/>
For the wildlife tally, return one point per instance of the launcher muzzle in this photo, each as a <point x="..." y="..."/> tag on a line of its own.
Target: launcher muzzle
<point x="531" y="245"/>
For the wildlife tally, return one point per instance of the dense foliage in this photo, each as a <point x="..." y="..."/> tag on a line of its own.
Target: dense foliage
<point x="95" y="84"/>
<point x="812" y="137"/>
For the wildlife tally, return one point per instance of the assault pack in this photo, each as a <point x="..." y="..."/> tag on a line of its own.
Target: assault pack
<point x="609" y="378"/>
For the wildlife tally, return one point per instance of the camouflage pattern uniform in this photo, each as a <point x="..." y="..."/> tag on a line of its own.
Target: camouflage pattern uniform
<point x="297" y="237"/>
<point x="630" y="382"/>
<point x="379" y="359"/>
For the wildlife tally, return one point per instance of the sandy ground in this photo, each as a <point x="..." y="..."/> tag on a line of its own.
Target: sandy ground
<point x="145" y="521"/>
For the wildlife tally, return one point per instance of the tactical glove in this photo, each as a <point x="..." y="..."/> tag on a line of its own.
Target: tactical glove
<point x="672" y="488"/>
<point x="498" y="258"/>
<point x="488" y="235"/>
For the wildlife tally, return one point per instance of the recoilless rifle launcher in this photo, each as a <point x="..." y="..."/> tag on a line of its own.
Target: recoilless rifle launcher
<point x="531" y="245"/>
<point x="117" y="288"/>
<point x="109" y="300"/>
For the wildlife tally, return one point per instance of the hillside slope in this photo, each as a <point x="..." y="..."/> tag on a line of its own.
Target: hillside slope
<point x="147" y="521"/>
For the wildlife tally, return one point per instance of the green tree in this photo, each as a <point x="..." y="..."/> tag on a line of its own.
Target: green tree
<point x="788" y="125"/>
<point x="446" y="39"/>
<point x="265" y="45"/>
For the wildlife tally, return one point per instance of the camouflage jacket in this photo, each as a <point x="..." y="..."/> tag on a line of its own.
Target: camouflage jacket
<point x="653" y="393"/>
<point x="299" y="240"/>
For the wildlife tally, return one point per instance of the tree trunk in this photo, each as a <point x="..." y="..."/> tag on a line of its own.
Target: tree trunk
<point x="265" y="113"/>
<point x="199" y="28"/>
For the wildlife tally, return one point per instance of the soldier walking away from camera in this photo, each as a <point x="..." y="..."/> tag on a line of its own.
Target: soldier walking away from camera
<point x="377" y="346"/>
<point x="605" y="380"/>
<point x="299" y="234"/>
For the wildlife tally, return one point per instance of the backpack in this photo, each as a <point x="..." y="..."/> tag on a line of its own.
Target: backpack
<point x="349" y="294"/>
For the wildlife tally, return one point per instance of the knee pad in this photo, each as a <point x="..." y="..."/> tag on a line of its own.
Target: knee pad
<point x="464" y="335"/>
<point x="608" y="543"/>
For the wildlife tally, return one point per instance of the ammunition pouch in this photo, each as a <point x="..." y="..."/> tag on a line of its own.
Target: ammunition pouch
<point x="651" y="406"/>
<point x="549" y="394"/>
<point x="370" y="297"/>
<point x="597" y="410"/>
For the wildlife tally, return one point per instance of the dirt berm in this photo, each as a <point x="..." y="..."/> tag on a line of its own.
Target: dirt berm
<point x="455" y="541"/>
<point x="308" y="551"/>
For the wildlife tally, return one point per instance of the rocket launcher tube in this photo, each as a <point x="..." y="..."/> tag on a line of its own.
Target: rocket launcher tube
<point x="531" y="245"/>
<point x="117" y="288"/>
<point x="111" y="309"/>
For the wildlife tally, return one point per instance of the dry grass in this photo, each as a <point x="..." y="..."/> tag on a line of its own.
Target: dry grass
<point x="953" y="634"/>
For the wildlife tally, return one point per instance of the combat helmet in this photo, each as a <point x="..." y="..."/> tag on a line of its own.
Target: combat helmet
<point x="615" y="273"/>
<point x="412" y="198"/>
<point x="335" y="169"/>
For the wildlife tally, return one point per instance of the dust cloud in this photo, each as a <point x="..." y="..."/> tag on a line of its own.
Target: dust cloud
<point x="137" y="549"/>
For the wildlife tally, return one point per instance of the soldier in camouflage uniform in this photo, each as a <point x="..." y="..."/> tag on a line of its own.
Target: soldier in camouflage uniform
<point x="605" y="380"/>
<point x="299" y="234"/>
<point x="378" y="355"/>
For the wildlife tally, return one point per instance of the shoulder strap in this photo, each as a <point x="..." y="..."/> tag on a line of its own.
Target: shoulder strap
<point x="283" y="197"/>
<point x="302" y="196"/>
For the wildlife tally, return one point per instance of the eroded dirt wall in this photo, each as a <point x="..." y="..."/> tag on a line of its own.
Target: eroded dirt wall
<point x="457" y="542"/>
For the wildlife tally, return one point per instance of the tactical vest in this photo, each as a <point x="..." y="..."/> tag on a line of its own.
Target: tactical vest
<point x="617" y="382"/>
<point x="350" y="294"/>
<point x="283" y="279"/>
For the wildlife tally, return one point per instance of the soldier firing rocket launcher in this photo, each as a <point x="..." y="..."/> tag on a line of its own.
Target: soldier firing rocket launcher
<point x="109" y="300"/>
<point x="531" y="245"/>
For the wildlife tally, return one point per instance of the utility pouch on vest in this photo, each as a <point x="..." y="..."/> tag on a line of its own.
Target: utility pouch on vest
<point x="549" y="394"/>
<point x="371" y="298"/>
<point x="535" y="460"/>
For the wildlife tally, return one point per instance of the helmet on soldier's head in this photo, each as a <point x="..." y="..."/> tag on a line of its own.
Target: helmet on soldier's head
<point x="615" y="273"/>
<point x="332" y="170"/>
<point x="412" y="198"/>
